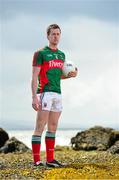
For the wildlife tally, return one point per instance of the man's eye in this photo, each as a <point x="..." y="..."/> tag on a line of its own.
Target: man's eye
<point x="55" y="34"/>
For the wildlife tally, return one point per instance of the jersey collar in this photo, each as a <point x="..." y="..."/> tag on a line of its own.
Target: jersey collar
<point x="54" y="50"/>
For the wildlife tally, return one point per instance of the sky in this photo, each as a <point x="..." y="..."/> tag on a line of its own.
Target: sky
<point x="90" y="38"/>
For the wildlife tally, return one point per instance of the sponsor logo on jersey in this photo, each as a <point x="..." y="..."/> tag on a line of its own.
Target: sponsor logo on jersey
<point x="55" y="64"/>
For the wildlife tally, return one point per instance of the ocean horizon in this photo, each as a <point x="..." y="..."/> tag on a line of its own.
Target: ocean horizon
<point x="63" y="136"/>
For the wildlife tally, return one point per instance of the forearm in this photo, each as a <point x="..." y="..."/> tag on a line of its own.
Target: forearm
<point x="70" y="74"/>
<point x="34" y="81"/>
<point x="64" y="77"/>
<point x="34" y="86"/>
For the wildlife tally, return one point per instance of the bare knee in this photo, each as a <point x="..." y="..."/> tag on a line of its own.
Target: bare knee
<point x="41" y="120"/>
<point x="52" y="127"/>
<point x="38" y="130"/>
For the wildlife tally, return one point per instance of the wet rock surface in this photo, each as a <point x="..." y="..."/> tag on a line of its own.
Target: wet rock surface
<point x="3" y="137"/>
<point x="96" y="138"/>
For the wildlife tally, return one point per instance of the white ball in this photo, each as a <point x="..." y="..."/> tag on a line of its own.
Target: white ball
<point x="68" y="67"/>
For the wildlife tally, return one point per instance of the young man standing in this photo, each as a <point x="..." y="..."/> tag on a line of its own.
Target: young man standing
<point x="46" y="94"/>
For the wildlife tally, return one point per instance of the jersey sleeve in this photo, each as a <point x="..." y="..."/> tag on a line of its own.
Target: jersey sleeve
<point x="64" y="57"/>
<point x="37" y="59"/>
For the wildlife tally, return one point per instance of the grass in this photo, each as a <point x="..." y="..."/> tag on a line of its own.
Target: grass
<point x="80" y="165"/>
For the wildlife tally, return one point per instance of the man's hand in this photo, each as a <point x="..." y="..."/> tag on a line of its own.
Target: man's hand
<point x="35" y="103"/>
<point x="73" y="73"/>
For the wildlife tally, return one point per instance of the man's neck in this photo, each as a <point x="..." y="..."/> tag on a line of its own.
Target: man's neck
<point x="54" y="47"/>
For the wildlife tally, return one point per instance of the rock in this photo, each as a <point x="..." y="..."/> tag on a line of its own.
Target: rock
<point x="3" y="137"/>
<point x="14" y="145"/>
<point x="115" y="148"/>
<point x="96" y="138"/>
<point x="62" y="148"/>
<point x="116" y="135"/>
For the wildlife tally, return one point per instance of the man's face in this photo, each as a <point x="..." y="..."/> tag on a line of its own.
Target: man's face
<point x="54" y="36"/>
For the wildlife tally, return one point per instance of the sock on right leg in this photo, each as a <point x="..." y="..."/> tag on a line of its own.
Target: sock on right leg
<point x="36" y="144"/>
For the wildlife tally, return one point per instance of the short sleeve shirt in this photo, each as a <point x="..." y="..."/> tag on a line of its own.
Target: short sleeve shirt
<point x="51" y="62"/>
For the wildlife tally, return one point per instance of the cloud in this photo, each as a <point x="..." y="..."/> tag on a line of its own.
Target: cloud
<point x="93" y="95"/>
<point x="101" y="92"/>
<point x="105" y="10"/>
<point x="22" y="33"/>
<point x="86" y="33"/>
<point x="92" y="102"/>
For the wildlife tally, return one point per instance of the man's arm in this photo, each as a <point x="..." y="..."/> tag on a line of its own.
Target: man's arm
<point x="64" y="77"/>
<point x="71" y="74"/>
<point x="35" y="73"/>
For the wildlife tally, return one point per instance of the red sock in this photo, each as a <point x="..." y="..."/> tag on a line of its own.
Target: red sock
<point x="50" y="143"/>
<point x="36" y="144"/>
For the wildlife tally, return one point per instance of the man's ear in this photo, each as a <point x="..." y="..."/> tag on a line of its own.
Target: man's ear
<point x="47" y="37"/>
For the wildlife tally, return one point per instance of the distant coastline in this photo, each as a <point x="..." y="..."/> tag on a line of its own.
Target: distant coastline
<point x="60" y="128"/>
<point x="22" y="125"/>
<point x="63" y="136"/>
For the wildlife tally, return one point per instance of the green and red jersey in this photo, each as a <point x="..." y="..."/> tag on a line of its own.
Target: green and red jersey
<point x="51" y="62"/>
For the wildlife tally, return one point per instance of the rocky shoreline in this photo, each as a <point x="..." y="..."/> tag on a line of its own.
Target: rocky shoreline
<point x="84" y="160"/>
<point x="97" y="138"/>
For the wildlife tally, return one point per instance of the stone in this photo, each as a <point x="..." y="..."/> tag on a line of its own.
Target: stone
<point x="95" y="138"/>
<point x="3" y="137"/>
<point x="14" y="145"/>
<point x="115" y="148"/>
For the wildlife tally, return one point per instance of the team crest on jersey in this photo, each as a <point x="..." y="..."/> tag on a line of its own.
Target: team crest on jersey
<point x="56" y="56"/>
<point x="45" y="104"/>
<point x="61" y="57"/>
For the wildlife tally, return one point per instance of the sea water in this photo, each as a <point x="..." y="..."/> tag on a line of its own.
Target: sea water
<point x="63" y="137"/>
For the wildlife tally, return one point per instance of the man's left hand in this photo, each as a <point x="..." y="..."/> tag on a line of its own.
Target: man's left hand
<point x="73" y="73"/>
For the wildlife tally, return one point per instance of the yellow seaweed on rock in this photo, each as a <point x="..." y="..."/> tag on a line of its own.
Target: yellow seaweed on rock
<point x="85" y="171"/>
<point x="85" y="165"/>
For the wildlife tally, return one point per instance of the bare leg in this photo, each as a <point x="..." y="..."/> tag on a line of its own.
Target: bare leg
<point x="41" y="120"/>
<point x="53" y="121"/>
<point x="50" y="135"/>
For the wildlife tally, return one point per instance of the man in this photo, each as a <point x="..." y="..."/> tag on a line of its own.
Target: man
<point x="46" y="97"/>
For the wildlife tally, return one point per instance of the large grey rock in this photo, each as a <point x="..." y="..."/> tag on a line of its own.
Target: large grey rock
<point x="96" y="138"/>
<point x="3" y="137"/>
<point x="114" y="148"/>
<point x="14" y="145"/>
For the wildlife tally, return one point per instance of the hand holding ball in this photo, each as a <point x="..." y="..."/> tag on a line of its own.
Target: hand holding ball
<point x="69" y="70"/>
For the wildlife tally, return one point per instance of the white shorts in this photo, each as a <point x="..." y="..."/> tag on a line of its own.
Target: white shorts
<point x="50" y="101"/>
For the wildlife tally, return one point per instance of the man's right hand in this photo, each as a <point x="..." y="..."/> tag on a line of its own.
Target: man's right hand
<point x="35" y="103"/>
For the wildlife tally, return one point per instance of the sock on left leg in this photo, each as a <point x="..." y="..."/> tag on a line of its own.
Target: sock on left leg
<point x="50" y="143"/>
